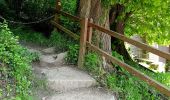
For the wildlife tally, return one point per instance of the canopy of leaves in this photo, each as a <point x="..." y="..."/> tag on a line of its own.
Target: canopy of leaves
<point x="149" y="19"/>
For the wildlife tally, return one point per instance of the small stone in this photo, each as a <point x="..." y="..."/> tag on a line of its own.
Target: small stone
<point x="44" y="98"/>
<point x="53" y="60"/>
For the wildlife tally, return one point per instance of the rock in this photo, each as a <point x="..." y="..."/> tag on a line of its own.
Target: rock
<point x="44" y="98"/>
<point x="53" y="60"/>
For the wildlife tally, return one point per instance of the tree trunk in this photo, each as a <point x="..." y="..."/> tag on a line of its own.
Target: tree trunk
<point x="110" y="20"/>
<point x="118" y="25"/>
<point x="100" y="15"/>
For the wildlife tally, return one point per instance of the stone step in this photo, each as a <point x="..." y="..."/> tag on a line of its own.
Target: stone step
<point x="84" y="94"/>
<point x="50" y="50"/>
<point x="67" y="78"/>
<point x="52" y="60"/>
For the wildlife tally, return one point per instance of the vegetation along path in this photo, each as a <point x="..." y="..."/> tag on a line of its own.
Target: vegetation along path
<point x="67" y="81"/>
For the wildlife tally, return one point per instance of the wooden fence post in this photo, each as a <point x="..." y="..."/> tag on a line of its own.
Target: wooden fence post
<point x="89" y="32"/>
<point x="83" y="39"/>
<point x="58" y="8"/>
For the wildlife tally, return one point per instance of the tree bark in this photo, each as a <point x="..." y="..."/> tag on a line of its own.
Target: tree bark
<point x="108" y="18"/>
<point x="118" y="25"/>
<point x="100" y="15"/>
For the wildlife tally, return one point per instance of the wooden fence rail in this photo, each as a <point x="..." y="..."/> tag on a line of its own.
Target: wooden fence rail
<point x="74" y="18"/>
<point x="85" y="41"/>
<point x="70" y="33"/>
<point x="131" y="41"/>
<point x="163" y="89"/>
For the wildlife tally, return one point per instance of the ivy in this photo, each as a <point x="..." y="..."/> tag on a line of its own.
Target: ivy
<point x="15" y="66"/>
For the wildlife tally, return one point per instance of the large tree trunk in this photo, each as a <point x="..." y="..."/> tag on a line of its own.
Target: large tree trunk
<point x="118" y="25"/>
<point x="100" y="15"/>
<point x="108" y="18"/>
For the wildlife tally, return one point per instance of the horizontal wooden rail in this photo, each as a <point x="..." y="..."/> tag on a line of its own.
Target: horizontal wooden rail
<point x="163" y="89"/>
<point x="75" y="36"/>
<point x="131" y="41"/>
<point x="75" y="18"/>
<point x="86" y="28"/>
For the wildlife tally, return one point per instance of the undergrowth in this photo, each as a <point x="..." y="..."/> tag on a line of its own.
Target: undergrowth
<point x="70" y="6"/>
<point x="126" y="86"/>
<point x="72" y="54"/>
<point x="57" y="39"/>
<point x="15" y="69"/>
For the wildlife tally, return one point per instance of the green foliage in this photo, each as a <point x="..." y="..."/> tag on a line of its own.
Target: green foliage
<point x="127" y="86"/>
<point x="163" y="78"/>
<point x="148" y="18"/>
<point x="30" y="9"/>
<point x="92" y="63"/>
<point x="15" y="65"/>
<point x="57" y="39"/>
<point x="118" y="56"/>
<point x="70" y="7"/>
<point x="72" y="54"/>
<point x="36" y="9"/>
<point x="28" y="35"/>
<point x="111" y="82"/>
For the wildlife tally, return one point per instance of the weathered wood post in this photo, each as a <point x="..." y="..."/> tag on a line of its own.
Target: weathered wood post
<point x="83" y="39"/>
<point x="58" y="8"/>
<point x="89" y="32"/>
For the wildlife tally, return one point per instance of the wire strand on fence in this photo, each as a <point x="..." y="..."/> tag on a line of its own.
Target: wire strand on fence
<point x="28" y="23"/>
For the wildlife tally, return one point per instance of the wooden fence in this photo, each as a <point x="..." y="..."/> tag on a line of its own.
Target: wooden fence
<point x="85" y="41"/>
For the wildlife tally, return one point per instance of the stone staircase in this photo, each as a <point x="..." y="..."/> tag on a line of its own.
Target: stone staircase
<point x="68" y="82"/>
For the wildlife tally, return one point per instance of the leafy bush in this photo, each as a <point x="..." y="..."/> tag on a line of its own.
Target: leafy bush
<point x="127" y="86"/>
<point x="72" y="54"/>
<point x="60" y="41"/>
<point x="70" y="7"/>
<point x="36" y="9"/>
<point x="27" y="35"/>
<point x="57" y="39"/>
<point x="92" y="63"/>
<point x="15" y="68"/>
<point x="119" y="57"/>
